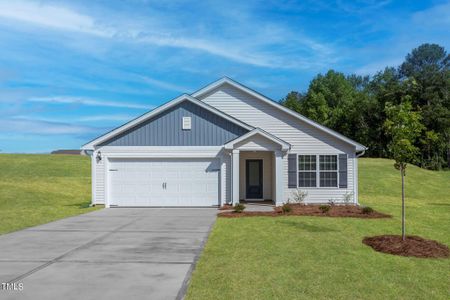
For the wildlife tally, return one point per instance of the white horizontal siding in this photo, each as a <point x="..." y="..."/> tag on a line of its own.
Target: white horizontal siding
<point x="226" y="188"/>
<point x="99" y="179"/>
<point x="323" y="195"/>
<point x="257" y="142"/>
<point x="304" y="138"/>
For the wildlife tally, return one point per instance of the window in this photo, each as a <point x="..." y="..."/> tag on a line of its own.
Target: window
<point x="186" y="123"/>
<point x="328" y="169"/>
<point x="307" y="171"/>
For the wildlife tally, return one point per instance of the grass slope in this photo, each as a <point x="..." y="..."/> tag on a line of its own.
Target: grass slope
<point x="36" y="189"/>
<point x="324" y="258"/>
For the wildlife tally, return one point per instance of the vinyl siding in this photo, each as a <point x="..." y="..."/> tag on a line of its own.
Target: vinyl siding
<point x="165" y="129"/>
<point x="304" y="138"/>
<point x="257" y="142"/>
<point x="99" y="178"/>
<point x="226" y="188"/>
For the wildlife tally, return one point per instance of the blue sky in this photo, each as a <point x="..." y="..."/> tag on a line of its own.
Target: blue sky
<point x="71" y="70"/>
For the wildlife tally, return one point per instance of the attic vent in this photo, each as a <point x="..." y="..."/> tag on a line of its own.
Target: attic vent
<point x="187" y="123"/>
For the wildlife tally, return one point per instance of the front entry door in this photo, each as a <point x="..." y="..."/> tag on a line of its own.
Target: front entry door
<point x="253" y="178"/>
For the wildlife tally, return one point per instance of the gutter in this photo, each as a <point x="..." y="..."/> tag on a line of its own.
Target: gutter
<point x="360" y="154"/>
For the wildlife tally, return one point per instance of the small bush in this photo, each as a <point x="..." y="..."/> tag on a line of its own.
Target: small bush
<point x="348" y="198"/>
<point x="286" y="208"/>
<point x="367" y="210"/>
<point x="238" y="208"/>
<point x="297" y="196"/>
<point x="325" y="208"/>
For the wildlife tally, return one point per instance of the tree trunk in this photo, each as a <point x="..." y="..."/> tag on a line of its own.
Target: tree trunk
<point x="403" y="203"/>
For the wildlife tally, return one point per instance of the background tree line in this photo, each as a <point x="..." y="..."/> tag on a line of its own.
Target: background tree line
<point x="359" y="106"/>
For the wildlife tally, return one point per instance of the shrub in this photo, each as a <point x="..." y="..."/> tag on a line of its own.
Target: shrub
<point x="238" y="208"/>
<point x="348" y="197"/>
<point x="286" y="208"/>
<point x="298" y="196"/>
<point x="367" y="210"/>
<point x="325" y="208"/>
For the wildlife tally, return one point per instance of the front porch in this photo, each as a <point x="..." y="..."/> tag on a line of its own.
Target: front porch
<point x="257" y="166"/>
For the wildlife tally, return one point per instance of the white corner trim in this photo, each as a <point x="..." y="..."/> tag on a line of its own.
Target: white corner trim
<point x="144" y="117"/>
<point x="263" y="98"/>
<point x="285" y="146"/>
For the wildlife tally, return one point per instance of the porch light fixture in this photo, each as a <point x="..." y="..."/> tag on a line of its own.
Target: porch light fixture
<point x="99" y="156"/>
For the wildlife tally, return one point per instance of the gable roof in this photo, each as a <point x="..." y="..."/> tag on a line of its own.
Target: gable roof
<point x="90" y="145"/>
<point x="247" y="90"/>
<point x="284" y="145"/>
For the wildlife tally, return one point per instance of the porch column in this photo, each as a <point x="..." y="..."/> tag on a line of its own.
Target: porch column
<point x="279" y="179"/>
<point x="235" y="176"/>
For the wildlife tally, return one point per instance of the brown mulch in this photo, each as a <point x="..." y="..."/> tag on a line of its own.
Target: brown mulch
<point x="226" y="207"/>
<point x="412" y="246"/>
<point x="349" y="211"/>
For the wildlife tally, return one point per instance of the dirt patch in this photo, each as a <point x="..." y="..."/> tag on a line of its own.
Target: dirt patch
<point x="348" y="211"/>
<point x="411" y="246"/>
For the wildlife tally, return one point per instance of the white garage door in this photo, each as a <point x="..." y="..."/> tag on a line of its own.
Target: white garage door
<point x="163" y="182"/>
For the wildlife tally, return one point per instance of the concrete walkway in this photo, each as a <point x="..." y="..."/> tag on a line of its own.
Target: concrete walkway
<point x="118" y="253"/>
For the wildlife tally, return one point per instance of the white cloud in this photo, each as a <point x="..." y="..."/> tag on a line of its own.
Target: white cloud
<point x="111" y="117"/>
<point x="435" y="16"/>
<point x="163" y="84"/>
<point x="80" y="119"/>
<point x="52" y="16"/>
<point x="89" y="102"/>
<point x="43" y="127"/>
<point x="246" y="49"/>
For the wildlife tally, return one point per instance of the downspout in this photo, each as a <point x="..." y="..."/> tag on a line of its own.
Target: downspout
<point x="355" y="176"/>
<point x="231" y="177"/>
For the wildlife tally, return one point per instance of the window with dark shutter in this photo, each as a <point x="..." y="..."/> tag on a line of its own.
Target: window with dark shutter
<point x="343" y="171"/>
<point x="292" y="170"/>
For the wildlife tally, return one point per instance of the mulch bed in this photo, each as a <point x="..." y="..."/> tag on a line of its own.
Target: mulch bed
<point x="226" y="207"/>
<point x="348" y="211"/>
<point x="412" y="246"/>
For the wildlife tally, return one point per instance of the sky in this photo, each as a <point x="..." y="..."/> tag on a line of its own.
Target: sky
<point x="72" y="70"/>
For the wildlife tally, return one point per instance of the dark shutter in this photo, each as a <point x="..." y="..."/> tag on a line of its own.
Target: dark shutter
<point x="292" y="170"/>
<point x="343" y="171"/>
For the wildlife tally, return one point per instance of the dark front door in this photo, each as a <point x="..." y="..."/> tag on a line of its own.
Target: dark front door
<point x="253" y="178"/>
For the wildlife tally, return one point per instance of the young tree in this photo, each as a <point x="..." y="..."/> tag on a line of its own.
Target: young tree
<point x="404" y="127"/>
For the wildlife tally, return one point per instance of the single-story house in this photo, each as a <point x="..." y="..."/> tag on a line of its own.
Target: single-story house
<point x="220" y="145"/>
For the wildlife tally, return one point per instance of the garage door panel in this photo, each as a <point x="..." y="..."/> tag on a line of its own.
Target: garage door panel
<point x="139" y="182"/>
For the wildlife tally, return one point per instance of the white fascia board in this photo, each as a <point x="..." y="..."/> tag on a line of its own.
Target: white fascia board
<point x="91" y="145"/>
<point x="160" y="151"/>
<point x="285" y="146"/>
<point x="257" y="95"/>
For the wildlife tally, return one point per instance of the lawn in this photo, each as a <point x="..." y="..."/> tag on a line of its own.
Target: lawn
<point x="323" y="258"/>
<point x="36" y="189"/>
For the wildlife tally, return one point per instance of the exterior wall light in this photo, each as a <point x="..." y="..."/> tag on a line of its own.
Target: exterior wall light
<point x="99" y="156"/>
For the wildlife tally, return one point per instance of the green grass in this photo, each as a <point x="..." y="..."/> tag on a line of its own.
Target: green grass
<point x="36" y="189"/>
<point x="323" y="258"/>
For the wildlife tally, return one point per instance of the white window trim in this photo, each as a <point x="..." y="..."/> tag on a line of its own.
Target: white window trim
<point x="318" y="172"/>
<point x="337" y="170"/>
<point x="306" y="171"/>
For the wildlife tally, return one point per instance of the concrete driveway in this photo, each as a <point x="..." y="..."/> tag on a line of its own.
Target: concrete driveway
<point x="118" y="253"/>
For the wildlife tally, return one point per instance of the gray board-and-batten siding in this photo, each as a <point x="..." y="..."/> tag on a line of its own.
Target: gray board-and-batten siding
<point x="165" y="129"/>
